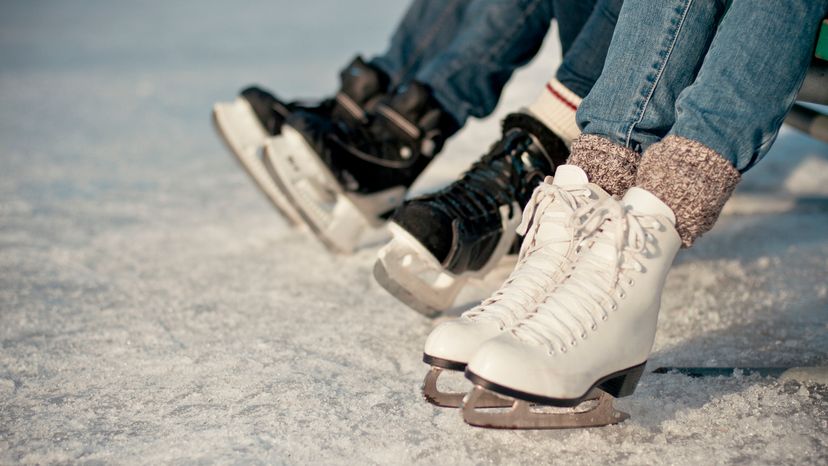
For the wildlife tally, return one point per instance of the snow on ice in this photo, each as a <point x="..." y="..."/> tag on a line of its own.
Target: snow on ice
<point x="154" y="308"/>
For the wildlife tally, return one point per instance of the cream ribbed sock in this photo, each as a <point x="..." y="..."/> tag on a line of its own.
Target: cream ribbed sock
<point x="555" y="108"/>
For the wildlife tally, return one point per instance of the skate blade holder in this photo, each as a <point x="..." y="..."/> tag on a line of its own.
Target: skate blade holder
<point x="595" y="411"/>
<point x="242" y="133"/>
<point x="411" y="273"/>
<point x="434" y="395"/>
<point x="330" y="213"/>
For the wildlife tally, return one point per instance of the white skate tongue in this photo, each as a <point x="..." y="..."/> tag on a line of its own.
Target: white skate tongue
<point x="550" y="240"/>
<point x="555" y="222"/>
<point x="639" y="201"/>
<point x="646" y="202"/>
<point x="569" y="175"/>
<point x="565" y="175"/>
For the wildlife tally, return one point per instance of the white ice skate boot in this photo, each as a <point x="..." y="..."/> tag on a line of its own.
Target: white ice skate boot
<point x="594" y="331"/>
<point x="546" y="253"/>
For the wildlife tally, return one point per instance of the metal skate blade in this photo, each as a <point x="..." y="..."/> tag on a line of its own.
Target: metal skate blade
<point x="595" y="411"/>
<point x="443" y="399"/>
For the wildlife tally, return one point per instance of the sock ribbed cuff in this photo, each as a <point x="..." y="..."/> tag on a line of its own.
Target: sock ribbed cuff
<point x="691" y="179"/>
<point x="606" y="164"/>
<point x="555" y="107"/>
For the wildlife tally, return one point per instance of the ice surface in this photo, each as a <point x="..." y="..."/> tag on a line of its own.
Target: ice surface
<point x="154" y="308"/>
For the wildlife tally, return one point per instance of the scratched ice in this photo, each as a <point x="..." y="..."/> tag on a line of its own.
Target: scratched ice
<point x="154" y="308"/>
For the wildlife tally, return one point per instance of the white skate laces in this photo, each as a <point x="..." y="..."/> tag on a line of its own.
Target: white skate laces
<point x="614" y="238"/>
<point x="548" y="243"/>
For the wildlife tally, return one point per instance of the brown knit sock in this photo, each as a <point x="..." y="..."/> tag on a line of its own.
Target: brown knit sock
<point x="607" y="164"/>
<point x="691" y="179"/>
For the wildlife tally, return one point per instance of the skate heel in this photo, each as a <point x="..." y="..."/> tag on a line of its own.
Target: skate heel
<point x="623" y="383"/>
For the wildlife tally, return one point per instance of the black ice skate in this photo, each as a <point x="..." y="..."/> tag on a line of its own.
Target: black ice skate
<point x="464" y="235"/>
<point x="345" y="180"/>
<point x="256" y="115"/>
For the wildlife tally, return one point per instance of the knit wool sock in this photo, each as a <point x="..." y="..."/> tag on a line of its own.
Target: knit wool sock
<point x="555" y="108"/>
<point x="691" y="179"/>
<point x="606" y="164"/>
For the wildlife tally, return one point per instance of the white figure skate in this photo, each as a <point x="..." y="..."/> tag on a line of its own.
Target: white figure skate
<point x="593" y="332"/>
<point x="547" y="250"/>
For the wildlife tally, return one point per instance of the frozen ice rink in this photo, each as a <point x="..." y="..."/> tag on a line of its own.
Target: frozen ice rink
<point x="155" y="309"/>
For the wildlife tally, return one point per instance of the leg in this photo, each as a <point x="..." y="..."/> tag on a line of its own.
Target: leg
<point x="728" y="118"/>
<point x="446" y="241"/>
<point x="743" y="91"/>
<point x="497" y="38"/>
<point x="583" y="61"/>
<point x="572" y="16"/>
<point x="425" y="30"/>
<point x="655" y="52"/>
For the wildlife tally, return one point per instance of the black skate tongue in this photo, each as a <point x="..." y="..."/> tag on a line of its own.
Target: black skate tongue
<point x="269" y="110"/>
<point x="361" y="85"/>
<point x="552" y="146"/>
<point x="412" y="100"/>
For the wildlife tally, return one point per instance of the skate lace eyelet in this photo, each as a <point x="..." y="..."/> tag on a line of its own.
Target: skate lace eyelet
<point x="563" y="349"/>
<point x="614" y="306"/>
<point x="573" y="342"/>
<point x="583" y="335"/>
<point x="622" y="295"/>
<point x="604" y="317"/>
<point x="594" y="326"/>
<point x="631" y="282"/>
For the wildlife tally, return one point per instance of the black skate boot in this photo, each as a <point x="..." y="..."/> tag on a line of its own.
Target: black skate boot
<point x="344" y="179"/>
<point x="464" y="236"/>
<point x="256" y="115"/>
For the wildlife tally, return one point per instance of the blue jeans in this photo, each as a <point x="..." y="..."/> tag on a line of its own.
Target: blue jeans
<point x="466" y="50"/>
<point x="722" y="73"/>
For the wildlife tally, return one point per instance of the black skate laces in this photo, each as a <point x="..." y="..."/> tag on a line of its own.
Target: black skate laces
<point x="501" y="177"/>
